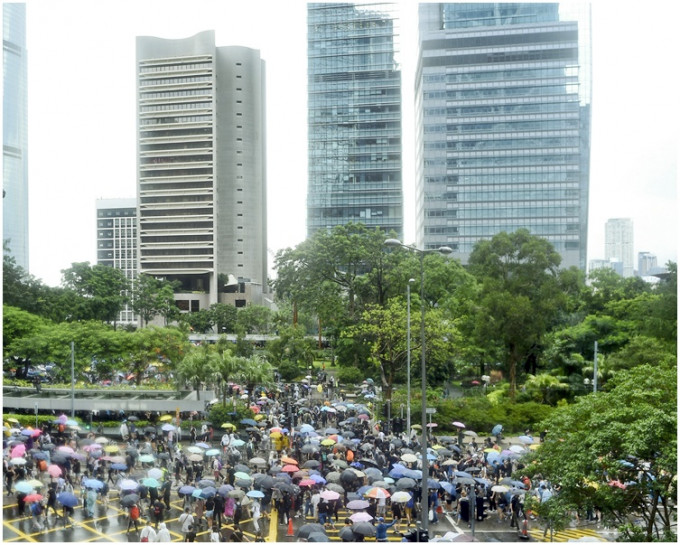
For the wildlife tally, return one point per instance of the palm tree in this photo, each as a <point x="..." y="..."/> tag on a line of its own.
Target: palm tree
<point x="545" y="385"/>
<point x="255" y="370"/>
<point x="195" y="368"/>
<point x="223" y="368"/>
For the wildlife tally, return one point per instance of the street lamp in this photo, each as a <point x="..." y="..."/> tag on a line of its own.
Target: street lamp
<point x="393" y="242"/>
<point x="408" y="356"/>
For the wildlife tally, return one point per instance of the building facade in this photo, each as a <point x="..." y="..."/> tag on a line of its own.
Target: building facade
<point x="618" y="243"/>
<point x="117" y="243"/>
<point x="15" y="132"/>
<point x="354" y="117"/>
<point x="503" y="125"/>
<point x="647" y="262"/>
<point x="201" y="166"/>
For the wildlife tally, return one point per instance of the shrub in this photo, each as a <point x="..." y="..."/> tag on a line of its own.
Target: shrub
<point x="349" y="375"/>
<point x="289" y="370"/>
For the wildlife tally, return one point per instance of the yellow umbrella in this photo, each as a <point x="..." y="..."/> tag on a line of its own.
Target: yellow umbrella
<point x="13" y="420"/>
<point x="165" y="418"/>
<point x="275" y="434"/>
<point x="416" y="426"/>
<point x="259" y="417"/>
<point x="329" y="442"/>
<point x="436" y="447"/>
<point x="535" y="446"/>
<point x="111" y="448"/>
<point x="228" y="426"/>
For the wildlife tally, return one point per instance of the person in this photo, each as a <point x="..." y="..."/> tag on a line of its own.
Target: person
<point x="157" y="512"/>
<point x="256" y="513"/>
<point x="148" y="533"/>
<point x="190" y="535"/>
<point x="36" y="512"/>
<point x="134" y="515"/>
<point x="186" y="521"/>
<point x="215" y="534"/>
<point x="237" y="534"/>
<point x="90" y="502"/>
<point x="381" y="528"/>
<point x="409" y="510"/>
<point x="163" y="533"/>
<point x="464" y="508"/>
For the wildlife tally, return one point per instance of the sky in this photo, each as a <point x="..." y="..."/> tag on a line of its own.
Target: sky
<point x="82" y="139"/>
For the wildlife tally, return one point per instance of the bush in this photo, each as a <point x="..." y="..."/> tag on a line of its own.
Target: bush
<point x="349" y="375"/>
<point x="289" y="371"/>
<point x="219" y="414"/>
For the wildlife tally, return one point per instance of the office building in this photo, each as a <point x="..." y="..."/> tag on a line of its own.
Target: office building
<point x="503" y="125"/>
<point x="354" y="117"/>
<point x="646" y="263"/>
<point x="201" y="167"/>
<point x="117" y="243"/>
<point x="15" y="133"/>
<point x="618" y="243"/>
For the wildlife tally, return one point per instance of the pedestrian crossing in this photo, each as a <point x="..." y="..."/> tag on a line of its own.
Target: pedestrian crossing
<point x="565" y="535"/>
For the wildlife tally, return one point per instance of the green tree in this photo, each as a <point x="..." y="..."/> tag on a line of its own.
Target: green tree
<point x="521" y="297"/>
<point x="254" y="319"/>
<point x="103" y="289"/>
<point x="545" y="388"/>
<point x="17" y="323"/>
<point x="152" y="297"/>
<point x="223" y="317"/>
<point x="224" y="367"/>
<point x="618" y="450"/>
<point x="195" y="367"/>
<point x="161" y="347"/>
<point x="255" y="371"/>
<point x="199" y="322"/>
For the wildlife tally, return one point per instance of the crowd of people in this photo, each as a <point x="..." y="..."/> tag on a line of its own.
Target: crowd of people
<point x="308" y="452"/>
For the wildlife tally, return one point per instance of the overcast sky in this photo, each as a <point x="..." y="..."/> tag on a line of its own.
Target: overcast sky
<point x="81" y="64"/>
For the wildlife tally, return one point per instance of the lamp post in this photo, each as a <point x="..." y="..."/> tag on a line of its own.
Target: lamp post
<point x="393" y="242"/>
<point x="408" y="357"/>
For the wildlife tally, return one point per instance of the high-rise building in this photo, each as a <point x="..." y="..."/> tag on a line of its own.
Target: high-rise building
<point x="503" y="125"/>
<point x="117" y="242"/>
<point x="618" y="243"/>
<point x="354" y="117"/>
<point x="646" y="262"/>
<point x="15" y="132"/>
<point x="201" y="166"/>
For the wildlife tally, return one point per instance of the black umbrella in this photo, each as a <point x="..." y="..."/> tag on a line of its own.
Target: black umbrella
<point x="310" y="528"/>
<point x="150" y="429"/>
<point x="348" y="476"/>
<point x="346" y="534"/>
<point x="365" y="529"/>
<point x="243" y="483"/>
<point x="309" y="448"/>
<point x="242" y="468"/>
<point x="129" y="499"/>
<point x="266" y="482"/>
<point x="405" y="483"/>
<point x="284" y="487"/>
<point x="311" y="464"/>
<point x="318" y="537"/>
<point x="368" y="462"/>
<point x="133" y="418"/>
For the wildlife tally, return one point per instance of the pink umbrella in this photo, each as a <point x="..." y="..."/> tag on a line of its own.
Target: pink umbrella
<point x="36" y="433"/>
<point x="617" y="484"/>
<point x="363" y="416"/>
<point x="307" y="482"/>
<point x="93" y="446"/>
<point x="18" y="451"/>
<point x="62" y="418"/>
<point x="361" y="516"/>
<point x="54" y="470"/>
<point x="33" y="497"/>
<point x="458" y="424"/>
<point x="290" y="468"/>
<point x="67" y="450"/>
<point x="431" y="425"/>
<point x="329" y="495"/>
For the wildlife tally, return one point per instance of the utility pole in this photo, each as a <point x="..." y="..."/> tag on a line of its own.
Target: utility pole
<point x="595" y="370"/>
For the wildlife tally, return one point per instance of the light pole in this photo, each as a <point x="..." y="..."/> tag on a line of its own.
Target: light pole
<point x="393" y="242"/>
<point x="408" y="357"/>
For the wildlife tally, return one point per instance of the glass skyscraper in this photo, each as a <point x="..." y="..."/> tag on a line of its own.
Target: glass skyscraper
<point x="503" y="125"/>
<point x="15" y="132"/>
<point x="354" y="124"/>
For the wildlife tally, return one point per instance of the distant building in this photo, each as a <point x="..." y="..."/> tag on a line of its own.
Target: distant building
<point x="201" y="149"/>
<point x="15" y="132"/>
<point x="618" y="243"/>
<point x="503" y="125"/>
<point x="646" y="262"/>
<point x="354" y="117"/>
<point x="615" y="264"/>
<point x="117" y="242"/>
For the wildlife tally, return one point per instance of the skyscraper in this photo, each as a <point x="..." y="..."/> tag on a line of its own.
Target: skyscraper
<point x="646" y="263"/>
<point x="117" y="242"/>
<point x="354" y="123"/>
<point x="618" y="243"/>
<point x="503" y="125"/>
<point x="15" y="132"/>
<point x="201" y="166"/>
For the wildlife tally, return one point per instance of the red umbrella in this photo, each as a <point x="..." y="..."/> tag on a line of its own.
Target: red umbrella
<point x="475" y="382"/>
<point x="307" y="482"/>
<point x="54" y="470"/>
<point x="33" y="497"/>
<point x="290" y="468"/>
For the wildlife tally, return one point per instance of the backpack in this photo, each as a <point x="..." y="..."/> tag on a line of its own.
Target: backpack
<point x="157" y="509"/>
<point x="134" y="512"/>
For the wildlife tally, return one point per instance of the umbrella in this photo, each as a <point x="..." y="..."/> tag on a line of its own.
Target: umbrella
<point x="517" y="449"/>
<point x="242" y="475"/>
<point x="468" y="432"/>
<point x="401" y="496"/>
<point x="18" y="451"/>
<point x="409" y="458"/>
<point x="129" y="499"/>
<point x="318" y="537"/>
<point x="526" y="439"/>
<point x="195" y="458"/>
<point x="249" y="422"/>
<point x="237" y="443"/>
<point x="24" y="487"/>
<point x="207" y="492"/>
<point x="18" y="461"/>
<point x="361" y="516"/>
<point x="203" y="445"/>
<point x="380" y="493"/>
<point x="334" y="487"/>
<point x="186" y="490"/>
<point x="121" y="467"/>
<point x="193" y="449"/>
<point x="346" y="534"/>
<point x="405" y="483"/>
<point x="155" y="473"/>
<point x="95" y="484"/>
<point x="357" y="505"/>
<point x="500" y="488"/>
<point x="307" y="482"/>
<point x="329" y="495"/>
<point x="243" y="483"/>
<point x="236" y="493"/>
<point x="146" y="458"/>
<point x="167" y="427"/>
<point x="308" y="529"/>
<point x="255" y="494"/>
<point x="33" y="497"/>
<point x="107" y="448"/>
<point x="333" y="476"/>
<point x="311" y="464"/>
<point x="68" y="499"/>
<point x="212" y="452"/>
<point x="288" y="460"/>
<point x="497" y="429"/>
<point x="257" y="461"/>
<point x="128" y="484"/>
<point x="365" y="529"/>
<point x="53" y="470"/>
<point x="458" y="424"/>
<point x="101" y="440"/>
<point x="165" y="418"/>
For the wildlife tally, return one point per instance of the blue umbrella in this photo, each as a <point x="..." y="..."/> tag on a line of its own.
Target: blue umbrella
<point x="23" y="486"/>
<point x="96" y="484"/>
<point x="447" y="486"/>
<point x="526" y="439"/>
<point x="212" y="452"/>
<point x="197" y="493"/>
<point x="255" y="494"/>
<point x="249" y="422"/>
<point x="306" y="428"/>
<point x="462" y="474"/>
<point x="186" y="489"/>
<point x="68" y="499"/>
<point x="122" y="467"/>
<point x="208" y="492"/>
<point x="202" y="445"/>
<point x="39" y="455"/>
<point x="497" y="429"/>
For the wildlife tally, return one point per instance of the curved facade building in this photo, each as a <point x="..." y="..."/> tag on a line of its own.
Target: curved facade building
<point x="15" y="132"/>
<point x="201" y="165"/>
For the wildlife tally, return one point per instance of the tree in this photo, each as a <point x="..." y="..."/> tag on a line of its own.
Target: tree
<point x="254" y="319"/>
<point x="223" y="317"/>
<point x="104" y="289"/>
<point x="520" y="294"/>
<point x="199" y="322"/>
<point x="618" y="450"/>
<point x="153" y="296"/>
<point x="223" y="368"/>
<point x="156" y="346"/>
<point x="195" y="367"/>
<point x="545" y="388"/>
<point x="255" y="370"/>
<point x="17" y="323"/>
